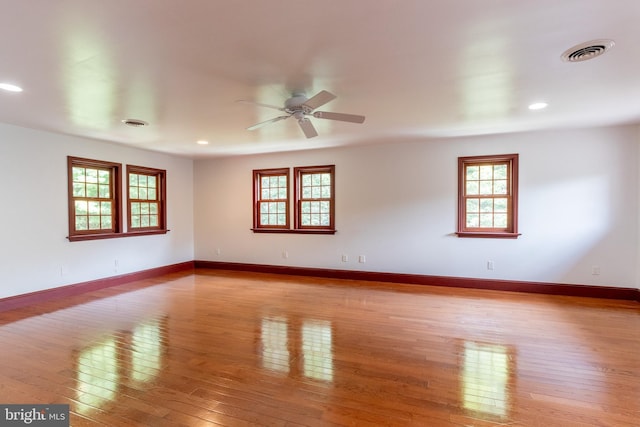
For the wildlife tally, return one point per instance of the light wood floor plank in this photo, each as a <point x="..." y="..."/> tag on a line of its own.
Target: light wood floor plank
<point x="215" y="348"/>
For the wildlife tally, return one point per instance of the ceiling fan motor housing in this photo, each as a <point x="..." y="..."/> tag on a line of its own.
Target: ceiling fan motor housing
<point x="295" y="103"/>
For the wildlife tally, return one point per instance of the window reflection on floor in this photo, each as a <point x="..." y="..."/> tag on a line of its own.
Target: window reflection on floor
<point x="127" y="357"/>
<point x="146" y="348"/>
<point x="297" y="347"/>
<point x="317" y="350"/>
<point x="97" y="375"/>
<point x="485" y="378"/>
<point x="275" y="344"/>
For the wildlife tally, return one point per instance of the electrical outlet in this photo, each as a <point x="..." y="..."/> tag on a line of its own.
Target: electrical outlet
<point x="362" y="259"/>
<point x="218" y="251"/>
<point x="285" y="254"/>
<point x="489" y="265"/>
<point x="345" y="258"/>
<point x="595" y="270"/>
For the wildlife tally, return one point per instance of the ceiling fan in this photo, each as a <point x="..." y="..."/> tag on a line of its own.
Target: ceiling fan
<point x="299" y="107"/>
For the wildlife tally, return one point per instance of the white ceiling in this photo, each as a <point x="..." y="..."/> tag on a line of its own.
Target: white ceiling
<point x="414" y="68"/>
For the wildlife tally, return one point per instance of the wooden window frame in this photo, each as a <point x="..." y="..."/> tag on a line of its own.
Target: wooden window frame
<point x="161" y="199"/>
<point x="511" y="230"/>
<point x="115" y="183"/>
<point x="299" y="198"/>
<point x="298" y="228"/>
<point x="258" y="174"/>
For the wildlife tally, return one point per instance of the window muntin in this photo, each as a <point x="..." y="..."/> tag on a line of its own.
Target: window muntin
<point x="314" y="197"/>
<point x="271" y="197"/>
<point x="487" y="197"/>
<point x="94" y="208"/>
<point x="146" y="199"/>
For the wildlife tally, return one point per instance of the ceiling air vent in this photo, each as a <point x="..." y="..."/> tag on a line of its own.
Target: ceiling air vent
<point x="135" y="123"/>
<point x="588" y="50"/>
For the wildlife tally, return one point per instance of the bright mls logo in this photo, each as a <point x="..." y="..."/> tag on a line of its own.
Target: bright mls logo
<point x="34" y="415"/>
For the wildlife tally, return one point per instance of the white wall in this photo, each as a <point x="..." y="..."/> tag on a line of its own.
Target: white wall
<point x="396" y="204"/>
<point x="34" y="251"/>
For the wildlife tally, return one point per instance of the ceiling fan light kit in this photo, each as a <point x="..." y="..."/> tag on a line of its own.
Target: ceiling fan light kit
<point x="300" y="107"/>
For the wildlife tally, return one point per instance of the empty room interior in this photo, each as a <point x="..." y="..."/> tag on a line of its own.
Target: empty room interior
<point x="338" y="213"/>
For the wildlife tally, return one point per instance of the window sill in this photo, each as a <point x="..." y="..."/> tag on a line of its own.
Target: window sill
<point x="488" y="235"/>
<point x="294" y="231"/>
<point x="83" y="237"/>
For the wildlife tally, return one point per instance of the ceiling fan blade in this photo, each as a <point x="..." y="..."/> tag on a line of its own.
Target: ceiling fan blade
<point x="319" y="99"/>
<point x="353" y="118"/>
<point x="260" y="104"/>
<point x="266" y="122"/>
<point x="307" y="128"/>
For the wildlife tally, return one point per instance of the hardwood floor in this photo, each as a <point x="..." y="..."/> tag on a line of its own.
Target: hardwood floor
<point x="236" y="349"/>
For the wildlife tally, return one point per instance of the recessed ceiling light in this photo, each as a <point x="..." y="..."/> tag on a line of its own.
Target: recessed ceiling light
<point x="202" y="142"/>
<point x="538" y="106"/>
<point x="10" y="88"/>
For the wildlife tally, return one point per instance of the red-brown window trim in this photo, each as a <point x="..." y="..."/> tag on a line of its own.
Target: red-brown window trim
<point x="298" y="172"/>
<point x="257" y="199"/>
<point x="297" y="229"/>
<point x="511" y="231"/>
<point x="115" y="186"/>
<point x="161" y="198"/>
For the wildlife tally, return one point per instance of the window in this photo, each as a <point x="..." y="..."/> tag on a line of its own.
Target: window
<point x="314" y="197"/>
<point x="313" y="202"/>
<point x="94" y="208"/>
<point x="271" y="196"/>
<point x="146" y="207"/>
<point x="488" y="196"/>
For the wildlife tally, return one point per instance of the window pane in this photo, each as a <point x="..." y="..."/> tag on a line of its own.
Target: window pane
<point x="82" y="223"/>
<point x="486" y="220"/>
<point x="473" y="205"/>
<point x="135" y="208"/>
<point x="103" y="177"/>
<point x="306" y="219"/>
<point x="92" y="190"/>
<point x="151" y="182"/>
<point x="315" y="192"/>
<point x="473" y="188"/>
<point x="153" y="220"/>
<point x="282" y="219"/>
<point x="282" y="181"/>
<point x="326" y="192"/>
<point x="144" y="208"/>
<point x="486" y="172"/>
<point x="282" y="193"/>
<point x="486" y="187"/>
<point x="325" y="207"/>
<point x="306" y="192"/>
<point x="473" y="172"/>
<point x="500" y="172"/>
<point x="105" y="208"/>
<point x="135" y="221"/>
<point x="315" y="207"/>
<point x="94" y="222"/>
<point x="142" y="193"/>
<point x="264" y="208"/>
<point x="500" y="220"/>
<point x="144" y="220"/>
<point x="264" y="219"/>
<point x="153" y="208"/>
<point x="282" y="207"/>
<point x="106" y="222"/>
<point x="306" y="180"/>
<point x="273" y="207"/>
<point x="142" y="180"/>
<point x="133" y="193"/>
<point x="94" y="208"/>
<point x="500" y="205"/>
<point x="486" y="205"/>
<point x="473" y="220"/>
<point x="91" y="175"/>
<point x="103" y="191"/>
<point x="326" y="179"/>
<point x="133" y="179"/>
<point x="78" y="190"/>
<point x="324" y="219"/>
<point x="78" y="174"/>
<point x="273" y="181"/>
<point x="500" y="186"/>
<point x="264" y="194"/>
<point x="316" y="179"/>
<point x="273" y="193"/>
<point x="81" y="207"/>
<point x="306" y="207"/>
<point x="151" y="194"/>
